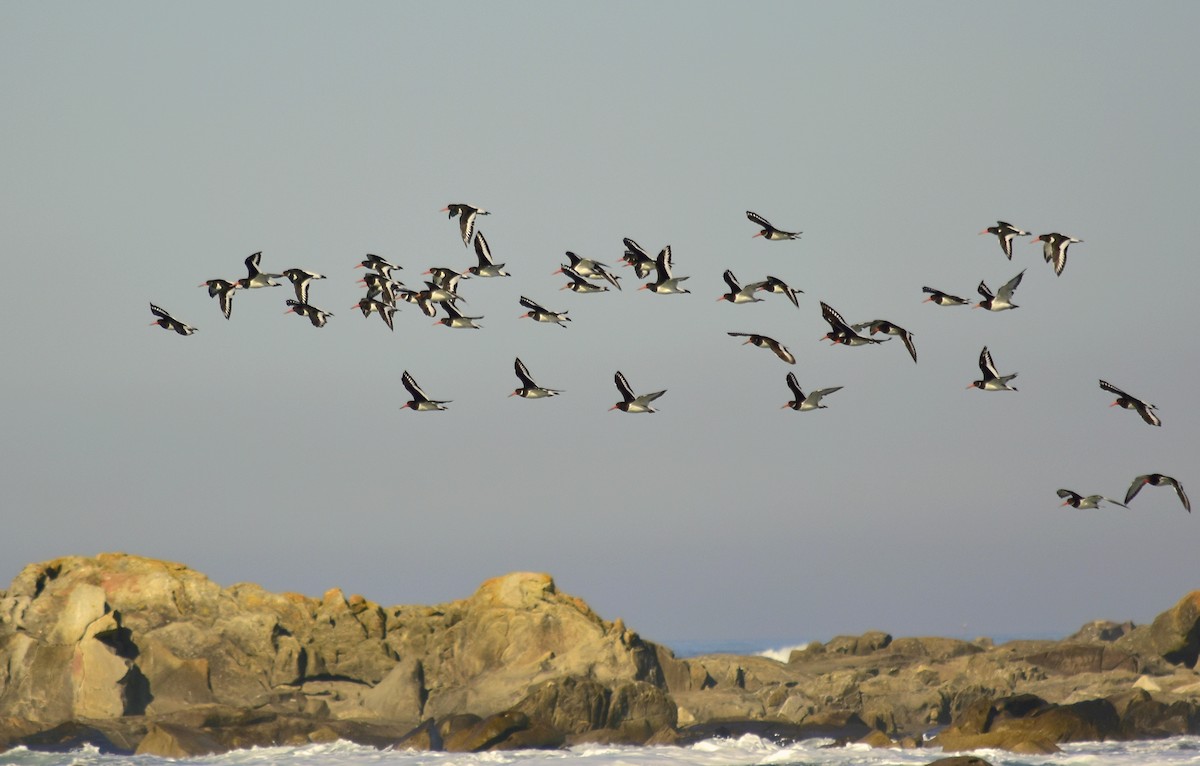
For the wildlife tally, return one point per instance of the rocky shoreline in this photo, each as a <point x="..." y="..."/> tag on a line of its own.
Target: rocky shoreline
<point x="136" y="655"/>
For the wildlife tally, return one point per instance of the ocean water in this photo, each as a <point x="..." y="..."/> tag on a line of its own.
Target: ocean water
<point x="744" y="751"/>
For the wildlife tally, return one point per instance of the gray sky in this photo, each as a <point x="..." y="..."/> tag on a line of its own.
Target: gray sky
<point x="150" y="146"/>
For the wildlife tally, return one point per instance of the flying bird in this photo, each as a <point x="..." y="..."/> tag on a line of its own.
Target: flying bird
<point x="311" y="313"/>
<point x="777" y="285"/>
<point x="1002" y="299"/>
<point x="631" y="403"/>
<point x="378" y="284"/>
<point x="378" y="264"/>
<point x="739" y="294"/>
<point x="529" y="389"/>
<point x="222" y="290"/>
<point x="443" y="277"/>
<point x="256" y="278"/>
<point x="1158" y="480"/>
<point x="812" y="401"/>
<point x="943" y="299"/>
<point x="300" y="279"/>
<point x="665" y="283"/>
<point x="455" y="320"/>
<point x="1077" y="500"/>
<point x="420" y="402"/>
<point x="1054" y="248"/>
<point x="539" y="314"/>
<point x="487" y="267"/>
<point x="889" y="328"/>
<point x="588" y="268"/>
<point x="1005" y="232"/>
<point x="466" y="218"/>
<point x="578" y="283"/>
<point x="367" y="305"/>
<point x="769" y="231"/>
<point x="1132" y="403"/>
<point x="762" y="341"/>
<point x="992" y="380"/>
<point x="168" y="322"/>
<point x="840" y="332"/>
<point x="638" y="258"/>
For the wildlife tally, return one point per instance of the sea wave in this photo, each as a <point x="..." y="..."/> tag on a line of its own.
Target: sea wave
<point x="747" y="750"/>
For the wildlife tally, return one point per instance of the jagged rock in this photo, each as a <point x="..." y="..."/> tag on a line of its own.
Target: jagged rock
<point x="933" y="647"/>
<point x="400" y="695"/>
<point x="871" y="641"/>
<point x="571" y="705"/>
<point x="486" y="734"/>
<point x="1174" y="635"/>
<point x="1101" y="631"/>
<point x="423" y="737"/>
<point x="1029" y="721"/>
<point x="173" y="741"/>
<point x="960" y="760"/>
<point x="1070" y="658"/>
<point x="133" y="643"/>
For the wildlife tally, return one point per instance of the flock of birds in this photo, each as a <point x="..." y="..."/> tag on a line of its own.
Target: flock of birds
<point x="440" y="294"/>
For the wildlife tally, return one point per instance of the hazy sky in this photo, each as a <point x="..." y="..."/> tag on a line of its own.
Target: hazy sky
<point x="148" y="147"/>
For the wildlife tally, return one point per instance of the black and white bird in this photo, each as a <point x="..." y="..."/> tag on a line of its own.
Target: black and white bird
<point x="943" y="299"/>
<point x="420" y="402"/>
<point x="378" y="264"/>
<point x="466" y="218"/>
<point x="588" y="268"/>
<point x="768" y="231"/>
<point x="1054" y="249"/>
<point x="255" y="277"/>
<point x="540" y="314"/>
<point x="992" y="380"/>
<point x="1158" y="480"/>
<point x="168" y="322"/>
<point x="313" y="314"/>
<point x="454" y="319"/>
<point x="300" y="279"/>
<point x="1005" y="232"/>
<point x="665" y="283"/>
<point x="385" y="310"/>
<point x="222" y="290"/>
<point x="379" y="285"/>
<point x="578" y="283"/>
<point x="778" y="286"/>
<point x="840" y="331"/>
<point x="443" y="277"/>
<point x="487" y="267"/>
<point x="889" y="328"/>
<point x="529" y="389"/>
<point x="762" y="341"/>
<point x="739" y="294"/>
<point x="1002" y="299"/>
<point x="629" y="401"/>
<point x="803" y="403"/>
<point x="638" y="258"/>
<point x="1077" y="500"/>
<point x="1132" y="403"/>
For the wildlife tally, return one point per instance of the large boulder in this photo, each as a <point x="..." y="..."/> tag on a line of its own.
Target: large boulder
<point x="1174" y="635"/>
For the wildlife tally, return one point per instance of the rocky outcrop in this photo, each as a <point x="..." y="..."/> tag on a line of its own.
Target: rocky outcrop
<point x="136" y="655"/>
<point x="118" y="637"/>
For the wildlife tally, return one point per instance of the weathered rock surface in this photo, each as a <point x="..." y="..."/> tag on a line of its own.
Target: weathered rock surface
<point x="137" y="655"/>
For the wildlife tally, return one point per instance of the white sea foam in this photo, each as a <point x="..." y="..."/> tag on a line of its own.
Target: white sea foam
<point x="782" y="653"/>
<point x="747" y="750"/>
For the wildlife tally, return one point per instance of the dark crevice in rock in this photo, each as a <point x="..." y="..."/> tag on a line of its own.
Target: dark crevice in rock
<point x="49" y="573"/>
<point x="135" y="692"/>
<point x="119" y="640"/>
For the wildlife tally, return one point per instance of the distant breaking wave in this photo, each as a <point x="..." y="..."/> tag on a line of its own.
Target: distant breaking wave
<point x="782" y="653"/>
